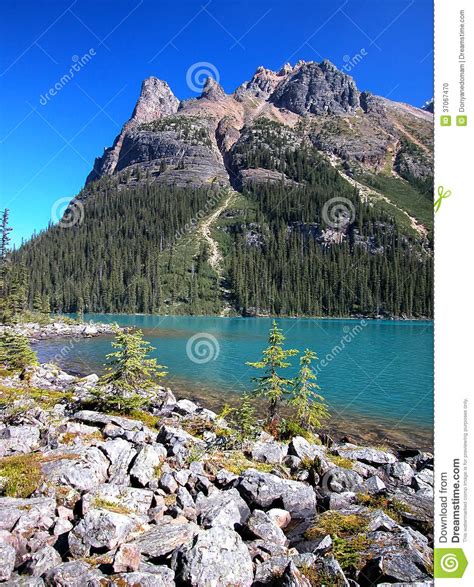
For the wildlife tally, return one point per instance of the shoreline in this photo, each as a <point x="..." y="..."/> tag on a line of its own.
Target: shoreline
<point x="356" y="425"/>
<point x="175" y="480"/>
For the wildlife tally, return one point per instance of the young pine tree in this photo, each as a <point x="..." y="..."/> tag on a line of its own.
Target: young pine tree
<point x="272" y="385"/>
<point x="245" y="416"/>
<point x="16" y="352"/>
<point x="129" y="371"/>
<point x="5" y="313"/>
<point x="309" y="405"/>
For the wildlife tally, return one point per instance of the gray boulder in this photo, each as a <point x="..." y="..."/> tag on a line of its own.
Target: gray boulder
<point x="218" y="556"/>
<point x="7" y="561"/>
<point x="160" y="576"/>
<point x="264" y="490"/>
<point x="165" y="537"/>
<point x="148" y="459"/>
<point x="269" y="452"/>
<point x="42" y="560"/>
<point x="262" y="526"/>
<point x="371" y="456"/>
<point x="73" y="574"/>
<point x="100" y="529"/>
<point x="222" y="508"/>
<point x="19" y="439"/>
<point x="120" y="454"/>
<point x="81" y="468"/>
<point x="132" y="499"/>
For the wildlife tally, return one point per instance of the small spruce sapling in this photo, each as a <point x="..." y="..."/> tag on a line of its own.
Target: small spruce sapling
<point x="130" y="370"/>
<point x="310" y="407"/>
<point x="272" y="385"/>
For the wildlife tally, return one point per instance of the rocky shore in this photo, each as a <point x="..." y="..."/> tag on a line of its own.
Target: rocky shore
<point x="172" y="496"/>
<point x="35" y="331"/>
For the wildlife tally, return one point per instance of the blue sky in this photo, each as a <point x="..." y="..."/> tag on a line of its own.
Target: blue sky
<point x="48" y="146"/>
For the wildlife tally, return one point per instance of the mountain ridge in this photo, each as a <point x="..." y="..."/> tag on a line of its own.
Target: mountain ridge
<point x="297" y="195"/>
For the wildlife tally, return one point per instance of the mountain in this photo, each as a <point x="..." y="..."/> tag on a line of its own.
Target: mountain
<point x="298" y="194"/>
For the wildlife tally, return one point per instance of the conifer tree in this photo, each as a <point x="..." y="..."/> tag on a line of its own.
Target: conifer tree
<point x="309" y="405"/>
<point x="272" y="385"/>
<point x="245" y="416"/>
<point x="130" y="371"/>
<point x="16" y="352"/>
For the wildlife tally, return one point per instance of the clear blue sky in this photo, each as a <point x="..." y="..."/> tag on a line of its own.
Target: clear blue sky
<point x="47" y="150"/>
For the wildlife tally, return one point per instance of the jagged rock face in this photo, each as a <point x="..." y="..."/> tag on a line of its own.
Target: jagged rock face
<point x="156" y="100"/>
<point x="213" y="91"/>
<point x="262" y="84"/>
<point x="316" y="88"/>
<point x="196" y="142"/>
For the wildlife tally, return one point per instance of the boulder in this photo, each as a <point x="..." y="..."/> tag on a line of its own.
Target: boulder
<point x="131" y="499"/>
<point x="374" y="485"/>
<point x="127" y="558"/>
<point x="264" y="490"/>
<point x="160" y="576"/>
<point x="400" y="472"/>
<point x="73" y="574"/>
<point x="42" y="560"/>
<point x="279" y="517"/>
<point x="148" y="459"/>
<point x="301" y="448"/>
<point x="269" y="452"/>
<point x="222" y="508"/>
<point x="7" y="561"/>
<point x="19" y="439"/>
<point x="371" y="456"/>
<point x="100" y="419"/>
<point x="165" y="537"/>
<point x="27" y="515"/>
<point x="262" y="526"/>
<point x="100" y="529"/>
<point x="339" y="479"/>
<point x="120" y="454"/>
<point x="217" y="556"/>
<point x="82" y="468"/>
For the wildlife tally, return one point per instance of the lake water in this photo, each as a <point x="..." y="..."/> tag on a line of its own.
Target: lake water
<point x="377" y="376"/>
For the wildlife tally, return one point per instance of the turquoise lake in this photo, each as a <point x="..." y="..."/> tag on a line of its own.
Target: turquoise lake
<point x="376" y="375"/>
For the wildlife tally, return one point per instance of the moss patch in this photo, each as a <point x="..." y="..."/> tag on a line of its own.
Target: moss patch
<point x="235" y="462"/>
<point x="336" y="524"/>
<point x="391" y="506"/>
<point x="21" y="475"/>
<point x="112" y="506"/>
<point x="342" y="462"/>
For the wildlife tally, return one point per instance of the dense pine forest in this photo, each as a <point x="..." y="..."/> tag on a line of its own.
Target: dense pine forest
<point x="137" y="250"/>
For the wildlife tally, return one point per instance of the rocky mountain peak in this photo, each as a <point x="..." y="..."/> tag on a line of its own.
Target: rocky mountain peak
<point x="262" y="84"/>
<point x="213" y="91"/>
<point x="156" y="100"/>
<point x="316" y="88"/>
